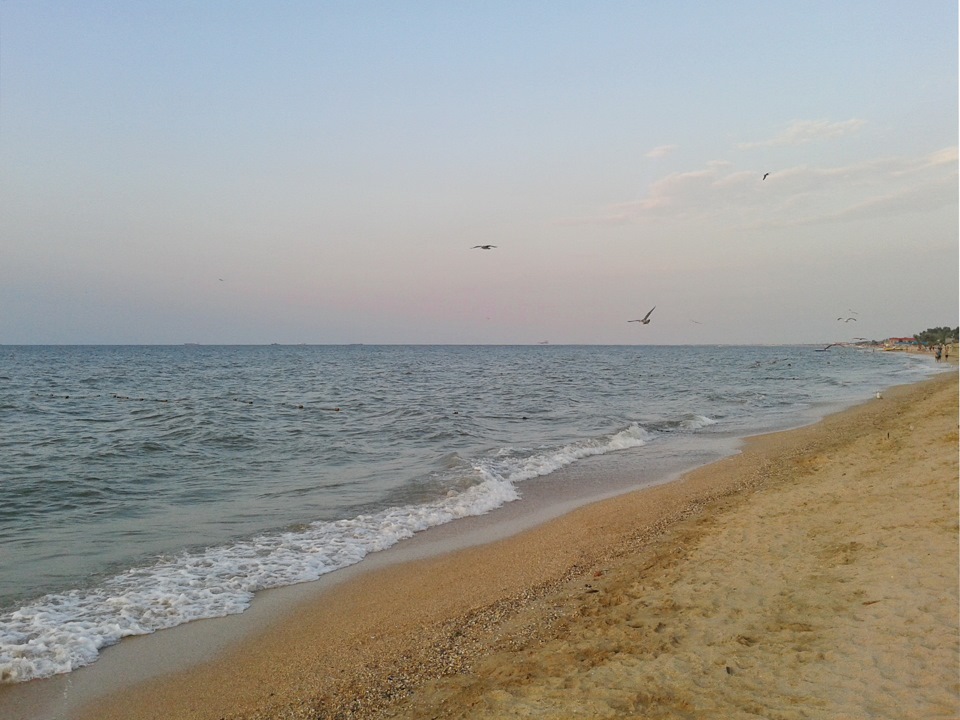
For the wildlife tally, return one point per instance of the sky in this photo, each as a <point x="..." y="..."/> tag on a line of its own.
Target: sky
<point x="318" y="172"/>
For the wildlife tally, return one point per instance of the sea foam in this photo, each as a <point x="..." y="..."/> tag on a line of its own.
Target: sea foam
<point x="63" y="631"/>
<point x="426" y="435"/>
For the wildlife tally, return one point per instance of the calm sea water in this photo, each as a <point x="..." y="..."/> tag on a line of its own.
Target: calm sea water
<point x="143" y="487"/>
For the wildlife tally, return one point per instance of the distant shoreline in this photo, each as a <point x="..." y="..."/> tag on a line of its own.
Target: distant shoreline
<point x="551" y="345"/>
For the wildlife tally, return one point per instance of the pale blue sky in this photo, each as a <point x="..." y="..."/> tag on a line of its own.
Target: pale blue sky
<point x="317" y="172"/>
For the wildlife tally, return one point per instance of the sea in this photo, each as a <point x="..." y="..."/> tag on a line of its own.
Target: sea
<point x="142" y="487"/>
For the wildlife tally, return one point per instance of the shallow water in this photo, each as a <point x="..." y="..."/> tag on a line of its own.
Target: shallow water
<point x="142" y="487"/>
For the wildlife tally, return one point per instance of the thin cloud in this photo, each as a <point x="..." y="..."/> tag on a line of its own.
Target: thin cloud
<point x="804" y="131"/>
<point x="722" y="195"/>
<point x="661" y="151"/>
<point x="935" y="191"/>
<point x="947" y="156"/>
<point x="910" y="200"/>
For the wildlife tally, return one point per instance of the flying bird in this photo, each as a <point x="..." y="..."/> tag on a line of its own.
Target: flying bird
<point x="483" y="247"/>
<point x="765" y="175"/>
<point x="646" y="318"/>
<point x="847" y="319"/>
<point x="826" y="348"/>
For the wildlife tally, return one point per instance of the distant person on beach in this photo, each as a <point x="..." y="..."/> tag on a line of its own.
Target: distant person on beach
<point x="936" y="352"/>
<point x="946" y="352"/>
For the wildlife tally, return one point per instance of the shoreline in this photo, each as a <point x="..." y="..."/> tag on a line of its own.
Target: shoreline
<point x="397" y="628"/>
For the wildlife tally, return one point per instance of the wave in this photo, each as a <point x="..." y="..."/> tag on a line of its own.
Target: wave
<point x="59" y="632"/>
<point x="63" y="631"/>
<point x="689" y="423"/>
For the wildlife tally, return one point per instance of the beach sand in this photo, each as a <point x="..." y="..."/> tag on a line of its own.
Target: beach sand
<point x="814" y="575"/>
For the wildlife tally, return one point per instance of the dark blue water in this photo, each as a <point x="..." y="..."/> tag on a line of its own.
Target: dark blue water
<point x="142" y="487"/>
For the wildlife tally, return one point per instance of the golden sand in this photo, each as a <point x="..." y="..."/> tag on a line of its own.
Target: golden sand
<point x="815" y="575"/>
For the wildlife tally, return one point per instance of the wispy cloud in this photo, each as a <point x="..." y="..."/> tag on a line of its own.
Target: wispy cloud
<point x="804" y="131"/>
<point x="895" y="187"/>
<point x="661" y="151"/>
<point x="723" y="195"/>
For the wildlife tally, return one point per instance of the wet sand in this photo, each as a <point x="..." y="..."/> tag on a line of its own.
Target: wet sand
<point x="814" y="575"/>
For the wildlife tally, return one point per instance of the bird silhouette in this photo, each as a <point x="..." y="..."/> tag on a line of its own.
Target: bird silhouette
<point x="847" y="319"/>
<point x="765" y="175"/>
<point x="645" y="320"/>
<point x="483" y="247"/>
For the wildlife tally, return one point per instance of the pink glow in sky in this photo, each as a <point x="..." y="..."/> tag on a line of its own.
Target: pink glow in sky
<point x="319" y="172"/>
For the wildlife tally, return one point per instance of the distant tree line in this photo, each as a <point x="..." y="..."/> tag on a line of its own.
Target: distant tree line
<point x="938" y="336"/>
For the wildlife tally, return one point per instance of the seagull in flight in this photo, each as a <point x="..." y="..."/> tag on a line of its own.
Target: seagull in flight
<point x="483" y="247"/>
<point x="847" y="319"/>
<point x="827" y="347"/>
<point x="646" y="318"/>
<point x="765" y="175"/>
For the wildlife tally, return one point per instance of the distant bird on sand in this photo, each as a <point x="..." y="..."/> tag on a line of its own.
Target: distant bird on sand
<point x="765" y="175"/>
<point x="483" y="247"/>
<point x="646" y="318"/>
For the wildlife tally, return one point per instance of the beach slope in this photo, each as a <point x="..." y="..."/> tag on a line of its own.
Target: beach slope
<point x="814" y="575"/>
<point x="826" y="588"/>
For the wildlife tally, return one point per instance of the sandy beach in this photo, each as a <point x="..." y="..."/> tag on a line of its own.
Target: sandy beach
<point x="814" y="575"/>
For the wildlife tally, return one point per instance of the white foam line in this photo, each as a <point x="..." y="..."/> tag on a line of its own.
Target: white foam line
<point x="63" y="631"/>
